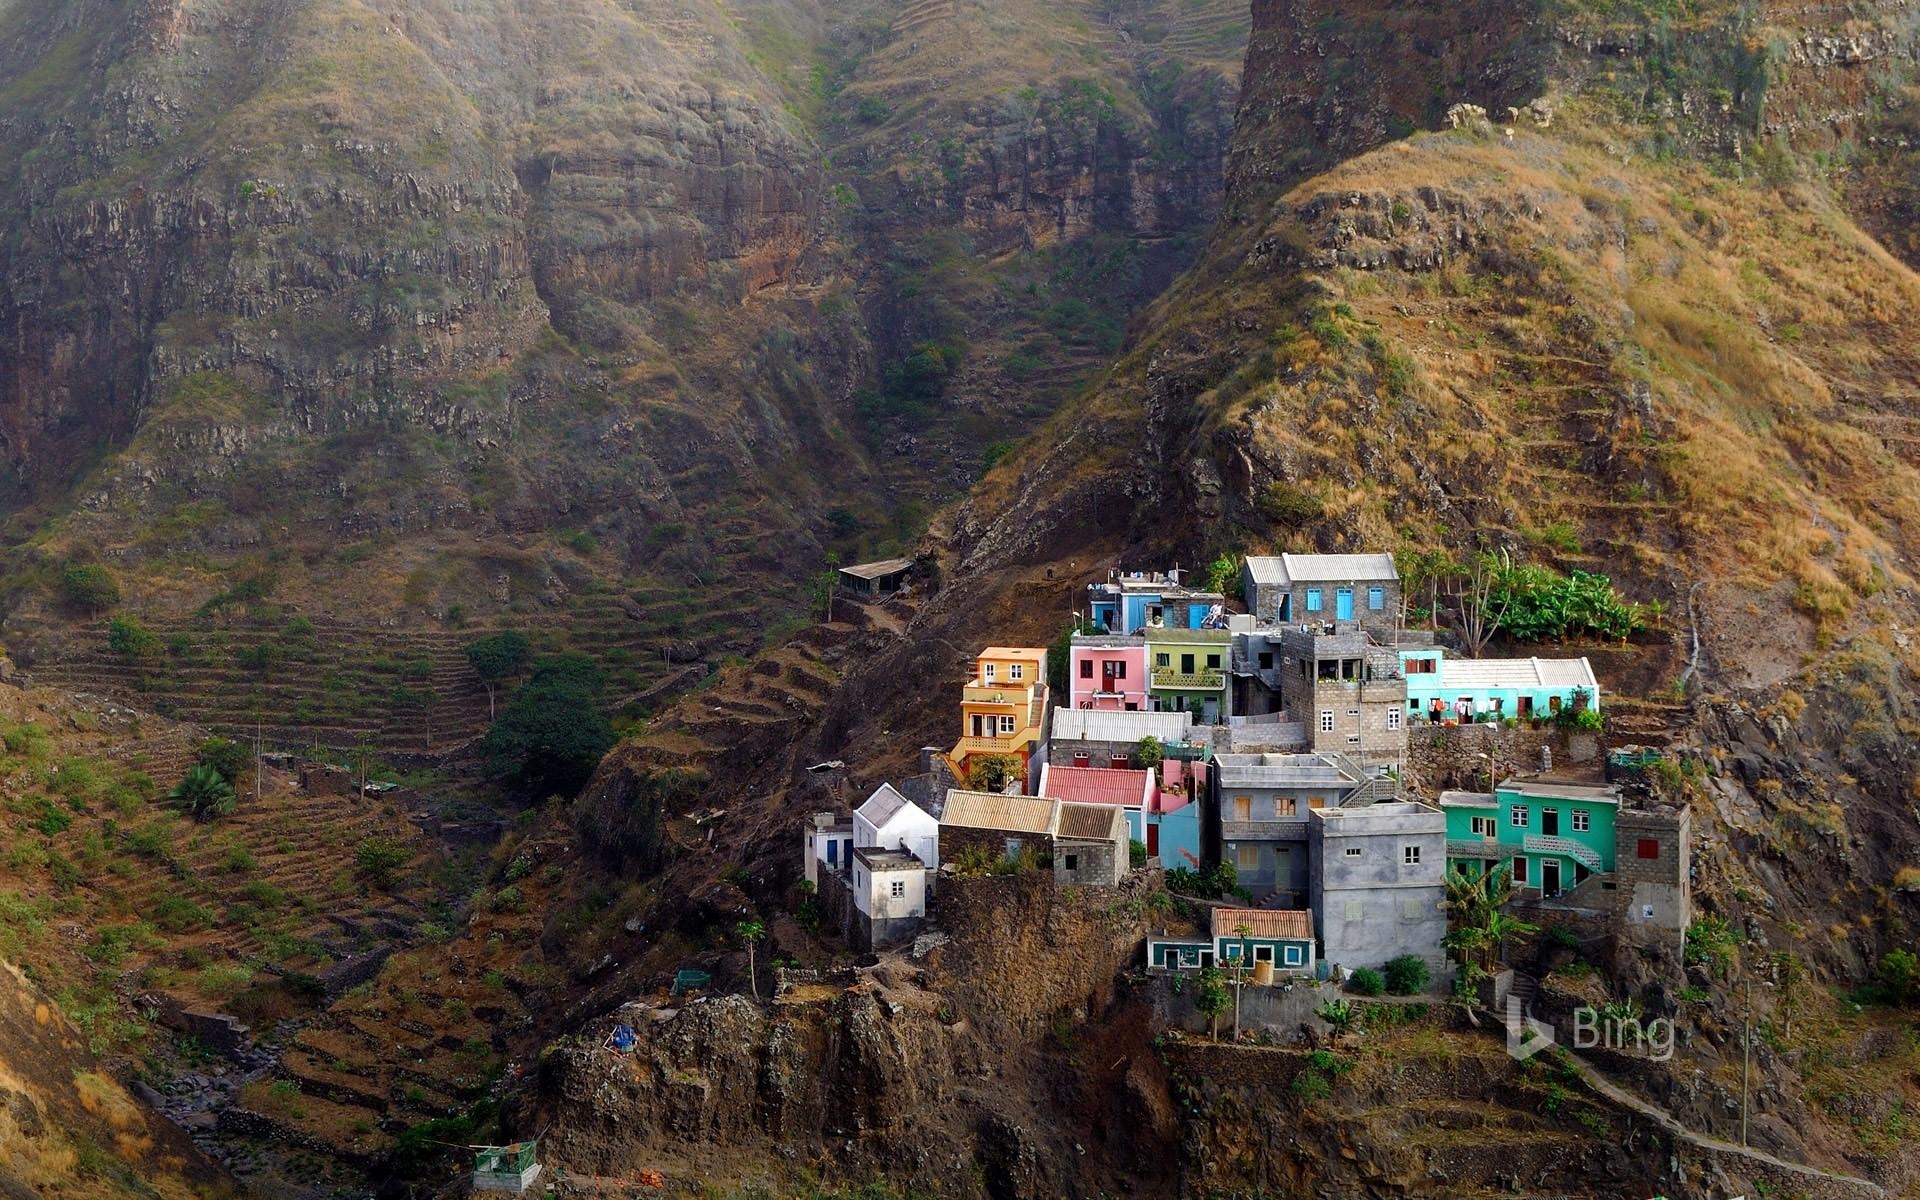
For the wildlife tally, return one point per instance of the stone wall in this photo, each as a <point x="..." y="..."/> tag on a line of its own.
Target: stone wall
<point x="1466" y="756"/>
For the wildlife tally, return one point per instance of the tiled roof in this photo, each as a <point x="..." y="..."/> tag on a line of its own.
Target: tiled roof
<point x="1109" y="725"/>
<point x="1097" y="785"/>
<point x="990" y="810"/>
<point x="1092" y="822"/>
<point x="1294" y="923"/>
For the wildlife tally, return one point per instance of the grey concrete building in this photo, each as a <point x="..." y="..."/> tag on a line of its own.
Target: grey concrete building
<point x="1378" y="879"/>
<point x="1347" y="690"/>
<point x="1262" y="802"/>
<point x="1288" y="589"/>
<point x="1653" y="894"/>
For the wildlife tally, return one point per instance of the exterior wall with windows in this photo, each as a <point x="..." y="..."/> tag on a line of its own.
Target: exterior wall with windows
<point x="1554" y="835"/>
<point x="1108" y="673"/>
<point x="828" y="846"/>
<point x="1096" y="863"/>
<point x="1653" y="892"/>
<point x="1187" y="671"/>
<point x="889" y="896"/>
<point x="1347" y="691"/>
<point x="1379" y="876"/>
<point x="1442" y="689"/>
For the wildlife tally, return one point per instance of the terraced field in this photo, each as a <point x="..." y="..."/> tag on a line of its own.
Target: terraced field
<point x="300" y="682"/>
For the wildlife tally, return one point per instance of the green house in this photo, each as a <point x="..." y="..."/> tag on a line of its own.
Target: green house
<point x="1553" y="835"/>
<point x="1187" y="671"/>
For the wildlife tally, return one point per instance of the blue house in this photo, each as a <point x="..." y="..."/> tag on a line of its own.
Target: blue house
<point x="1491" y="689"/>
<point x="1131" y="601"/>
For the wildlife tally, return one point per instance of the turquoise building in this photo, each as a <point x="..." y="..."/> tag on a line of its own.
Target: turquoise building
<point x="1441" y="689"/>
<point x="1554" y="836"/>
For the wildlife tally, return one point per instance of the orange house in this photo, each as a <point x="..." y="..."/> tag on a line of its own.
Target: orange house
<point x="1003" y="708"/>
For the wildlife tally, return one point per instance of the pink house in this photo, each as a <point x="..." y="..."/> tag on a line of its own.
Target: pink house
<point x="1109" y="672"/>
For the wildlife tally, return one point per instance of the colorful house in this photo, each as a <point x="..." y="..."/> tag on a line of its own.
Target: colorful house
<point x="1173" y="819"/>
<point x="1131" y="601"/>
<point x="1132" y="792"/>
<point x="1479" y="689"/>
<point x="1554" y="835"/>
<point x="1003" y="710"/>
<point x="1187" y="672"/>
<point x="1281" y="936"/>
<point x="1108" y="673"/>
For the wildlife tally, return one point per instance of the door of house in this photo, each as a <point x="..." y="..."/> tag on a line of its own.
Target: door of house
<point x="1186" y="664"/>
<point x="1550" y="822"/>
<point x="1343" y="604"/>
<point x="1243" y="808"/>
<point x="1549" y="877"/>
<point x="979" y="729"/>
<point x="1523" y="707"/>
<point x="1153" y="840"/>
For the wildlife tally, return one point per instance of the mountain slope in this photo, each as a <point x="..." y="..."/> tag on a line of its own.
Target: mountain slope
<point x="431" y="313"/>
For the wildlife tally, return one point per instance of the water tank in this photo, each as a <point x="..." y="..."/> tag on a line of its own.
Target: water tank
<point x="1263" y="973"/>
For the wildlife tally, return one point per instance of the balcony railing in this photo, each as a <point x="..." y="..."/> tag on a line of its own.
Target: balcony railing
<point x="1486" y="848"/>
<point x="1541" y="843"/>
<point x="998" y="745"/>
<point x="1201" y="681"/>
<point x="1284" y="830"/>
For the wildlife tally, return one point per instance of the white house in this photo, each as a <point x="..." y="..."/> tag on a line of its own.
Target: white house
<point x="828" y="846"/>
<point x="890" y="894"/>
<point x="890" y="821"/>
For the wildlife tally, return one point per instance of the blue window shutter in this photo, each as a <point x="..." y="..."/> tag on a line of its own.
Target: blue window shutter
<point x="1376" y="598"/>
<point x="1313" y="599"/>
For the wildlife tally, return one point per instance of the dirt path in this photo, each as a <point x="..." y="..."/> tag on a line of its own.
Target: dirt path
<point x="1661" y="1117"/>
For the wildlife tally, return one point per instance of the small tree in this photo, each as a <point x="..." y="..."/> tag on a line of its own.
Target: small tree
<point x="497" y="657"/>
<point x="1899" y="973"/>
<point x="1210" y="997"/>
<point x="749" y="932"/>
<point x="1223" y="573"/>
<point x="203" y="794"/>
<point x="1149" y="753"/>
<point x="992" y="772"/>
<point x="1480" y="599"/>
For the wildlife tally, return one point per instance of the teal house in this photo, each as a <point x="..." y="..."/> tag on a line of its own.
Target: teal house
<point x="1554" y="835"/>
<point x="1459" y="690"/>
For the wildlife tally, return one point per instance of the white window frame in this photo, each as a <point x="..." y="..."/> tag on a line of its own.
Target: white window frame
<point x="1293" y="956"/>
<point x="1520" y="816"/>
<point x="1016" y="671"/>
<point x="1354" y="852"/>
<point x="1006" y="726"/>
<point x="1393" y="720"/>
<point x="1326" y="720"/>
<point x="1484" y="826"/>
<point x="1582" y="820"/>
<point x="898" y="889"/>
<point x="986" y="672"/>
<point x="1409" y="856"/>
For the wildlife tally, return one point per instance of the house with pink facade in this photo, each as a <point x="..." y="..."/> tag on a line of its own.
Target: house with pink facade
<point x="1108" y="672"/>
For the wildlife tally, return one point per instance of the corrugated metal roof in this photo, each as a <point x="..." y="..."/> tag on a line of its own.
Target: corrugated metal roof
<point x="1108" y="725"/>
<point x="874" y="570"/>
<point x="1097" y="785"/>
<point x="1518" y="673"/>
<point x="1338" y="568"/>
<point x="1267" y="569"/>
<point x="1092" y="822"/>
<point x="1294" y="923"/>
<point x="990" y="810"/>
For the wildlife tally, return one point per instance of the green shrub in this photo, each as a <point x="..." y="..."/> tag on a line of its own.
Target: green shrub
<point x="225" y="757"/>
<point x="1710" y="942"/>
<point x="1366" y="982"/>
<point x="1136" y="853"/>
<point x="128" y="638"/>
<point x="1309" y="1086"/>
<point x="1406" y="975"/>
<point x="89" y="587"/>
<point x="379" y="859"/>
<point x="177" y="914"/>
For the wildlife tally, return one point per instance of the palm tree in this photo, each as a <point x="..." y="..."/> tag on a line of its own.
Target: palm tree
<point x="204" y="793"/>
<point x="751" y="931"/>
<point x="1479" y="926"/>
